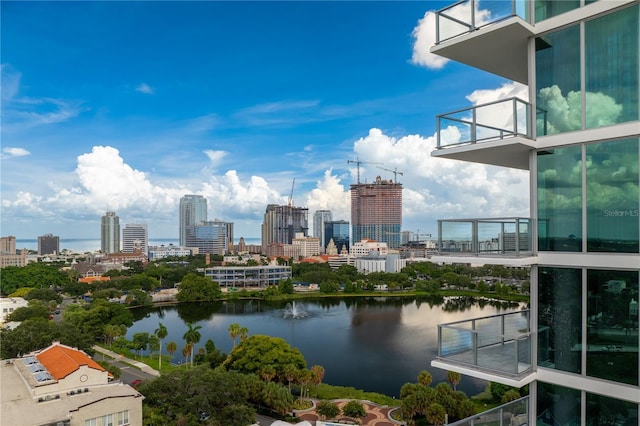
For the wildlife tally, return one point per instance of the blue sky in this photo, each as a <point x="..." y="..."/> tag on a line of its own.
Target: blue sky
<point x="127" y="106"/>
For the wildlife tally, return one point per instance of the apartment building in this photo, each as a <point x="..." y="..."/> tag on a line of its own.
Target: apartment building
<point x="63" y="386"/>
<point x="110" y="233"/>
<point x="578" y="136"/>
<point x="135" y="238"/>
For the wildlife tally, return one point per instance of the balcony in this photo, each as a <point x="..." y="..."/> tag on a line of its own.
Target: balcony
<point x="497" y="346"/>
<point x="491" y="35"/>
<point x="497" y="133"/>
<point x="514" y="413"/>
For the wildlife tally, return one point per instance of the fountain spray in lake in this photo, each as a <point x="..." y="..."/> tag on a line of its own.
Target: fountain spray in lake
<point x="294" y="310"/>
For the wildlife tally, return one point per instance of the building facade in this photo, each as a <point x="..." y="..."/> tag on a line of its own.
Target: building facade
<point x="376" y="211"/>
<point x="8" y="254"/>
<point x="366" y="247"/>
<point x="48" y="244"/>
<point x="578" y="136"/>
<point x="338" y="232"/>
<point x="248" y="276"/>
<point x="209" y="237"/>
<point x="193" y="211"/>
<point x="309" y="246"/>
<point x="135" y="237"/>
<point x="320" y="218"/>
<point x="282" y="223"/>
<point x="110" y="233"/>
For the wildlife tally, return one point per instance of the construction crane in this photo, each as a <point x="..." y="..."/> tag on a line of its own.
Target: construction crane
<point x="358" y="162"/>
<point x="291" y="194"/>
<point x="395" y="173"/>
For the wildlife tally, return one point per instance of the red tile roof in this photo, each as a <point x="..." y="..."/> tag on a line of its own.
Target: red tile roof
<point x="62" y="360"/>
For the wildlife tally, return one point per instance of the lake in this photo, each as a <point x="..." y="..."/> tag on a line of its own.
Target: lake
<point x="372" y="343"/>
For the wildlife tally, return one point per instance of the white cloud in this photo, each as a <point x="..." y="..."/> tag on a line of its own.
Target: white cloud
<point x="215" y="156"/>
<point x="507" y="90"/>
<point x="330" y="194"/>
<point x="145" y="88"/>
<point x="12" y="152"/>
<point x="424" y="33"/>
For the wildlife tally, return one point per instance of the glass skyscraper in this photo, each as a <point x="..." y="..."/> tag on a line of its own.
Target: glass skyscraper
<point x="578" y="135"/>
<point x="110" y="233"/>
<point x="193" y="211"/>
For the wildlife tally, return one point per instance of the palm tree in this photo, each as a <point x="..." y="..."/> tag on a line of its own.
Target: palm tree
<point x="192" y="337"/>
<point x="454" y="378"/>
<point x="243" y="333"/>
<point x="172" y="347"/>
<point x="234" y="331"/>
<point x="161" y="332"/>
<point x="425" y="378"/>
<point x="317" y="372"/>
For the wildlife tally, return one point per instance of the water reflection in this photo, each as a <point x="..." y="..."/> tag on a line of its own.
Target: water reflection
<point x="375" y="344"/>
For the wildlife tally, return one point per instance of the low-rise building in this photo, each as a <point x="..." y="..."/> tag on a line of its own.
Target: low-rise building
<point x="248" y="276"/>
<point x="366" y="246"/>
<point x="63" y="386"/>
<point x="10" y="304"/>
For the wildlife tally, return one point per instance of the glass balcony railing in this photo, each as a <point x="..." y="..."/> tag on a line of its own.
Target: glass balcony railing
<point x="488" y="122"/>
<point x="514" y="413"/>
<point x="466" y="16"/>
<point x="495" y="236"/>
<point x="497" y="344"/>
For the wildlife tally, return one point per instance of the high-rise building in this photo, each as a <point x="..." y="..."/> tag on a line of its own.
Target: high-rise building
<point x="110" y="233"/>
<point x="193" y="211"/>
<point x="8" y="254"/>
<point x="578" y="136"/>
<point x="135" y="237"/>
<point x="281" y="223"/>
<point x="210" y="237"/>
<point x="48" y="244"/>
<point x="376" y="211"/>
<point x="338" y="232"/>
<point x="320" y="217"/>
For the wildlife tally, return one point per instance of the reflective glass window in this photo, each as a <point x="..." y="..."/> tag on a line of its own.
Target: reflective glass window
<point x="603" y="410"/>
<point x="611" y="68"/>
<point x="558" y="90"/>
<point x="557" y="406"/>
<point x="612" y="325"/>
<point x="613" y="201"/>
<point x="560" y="199"/>
<point x="560" y="319"/>
<point x="546" y="9"/>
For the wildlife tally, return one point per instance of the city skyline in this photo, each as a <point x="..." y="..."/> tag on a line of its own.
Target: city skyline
<point x="128" y="106"/>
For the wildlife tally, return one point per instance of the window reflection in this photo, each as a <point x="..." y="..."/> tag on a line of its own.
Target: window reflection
<point x="557" y="405"/>
<point x="560" y="199"/>
<point x="612" y="324"/>
<point x="602" y="410"/>
<point x="613" y="197"/>
<point x="560" y="319"/>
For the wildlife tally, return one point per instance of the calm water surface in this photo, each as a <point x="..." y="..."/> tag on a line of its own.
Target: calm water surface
<point x="374" y="344"/>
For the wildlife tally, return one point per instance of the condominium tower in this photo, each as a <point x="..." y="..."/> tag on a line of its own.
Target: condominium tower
<point x="48" y="244"/>
<point x="193" y="211"/>
<point x="578" y="136"/>
<point x="320" y="217"/>
<point x="110" y="233"/>
<point x="376" y="211"/>
<point x="135" y="237"/>
<point x="282" y="223"/>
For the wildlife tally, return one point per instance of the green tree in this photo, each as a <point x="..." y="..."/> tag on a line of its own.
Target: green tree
<point x="327" y="410"/>
<point x="436" y="414"/>
<point x="258" y="351"/>
<point x="35" y="309"/>
<point x="161" y="332"/>
<point x="354" y="409"/>
<point x="44" y="295"/>
<point x="286" y="286"/>
<point x="195" y="288"/>
<point x="192" y="337"/>
<point x="425" y="378"/>
<point x="454" y="378"/>
<point x="140" y="341"/>
<point x="172" y="347"/>
<point x="234" y="331"/>
<point x="317" y="374"/>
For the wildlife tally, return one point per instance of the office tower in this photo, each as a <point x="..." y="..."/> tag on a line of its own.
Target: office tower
<point x="8" y="245"/>
<point x="210" y="237"/>
<point x="135" y="237"/>
<point x="110" y="233"/>
<point x="193" y="210"/>
<point x="376" y="211"/>
<point x="281" y="223"/>
<point x="338" y="231"/>
<point x="578" y="136"/>
<point x="320" y="217"/>
<point x="48" y="244"/>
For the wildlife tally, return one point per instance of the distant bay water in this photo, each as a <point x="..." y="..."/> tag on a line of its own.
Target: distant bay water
<point x="83" y="245"/>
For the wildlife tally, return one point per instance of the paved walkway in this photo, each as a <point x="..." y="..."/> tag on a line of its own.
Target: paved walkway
<point x="141" y="365"/>
<point x="377" y="415"/>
